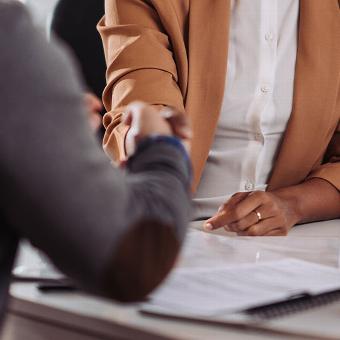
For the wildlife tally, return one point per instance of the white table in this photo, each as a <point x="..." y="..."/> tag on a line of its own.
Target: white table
<point x="34" y="315"/>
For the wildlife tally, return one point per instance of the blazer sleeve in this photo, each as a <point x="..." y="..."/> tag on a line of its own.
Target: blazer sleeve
<point x="330" y="169"/>
<point x="140" y="66"/>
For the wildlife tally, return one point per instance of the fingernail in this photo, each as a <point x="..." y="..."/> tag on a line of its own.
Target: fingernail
<point x="208" y="226"/>
<point x="220" y="209"/>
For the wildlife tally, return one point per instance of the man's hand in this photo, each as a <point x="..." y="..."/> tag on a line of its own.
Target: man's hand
<point x="145" y="120"/>
<point x="94" y="106"/>
<point x="256" y="213"/>
<point x="180" y="125"/>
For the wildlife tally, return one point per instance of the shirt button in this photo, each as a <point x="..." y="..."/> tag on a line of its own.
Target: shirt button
<point x="249" y="186"/>
<point x="265" y="89"/>
<point x="269" y="36"/>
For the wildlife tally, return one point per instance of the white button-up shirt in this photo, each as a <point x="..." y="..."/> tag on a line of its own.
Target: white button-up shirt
<point x="257" y="102"/>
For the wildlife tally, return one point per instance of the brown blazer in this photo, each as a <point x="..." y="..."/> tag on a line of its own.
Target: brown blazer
<point x="174" y="52"/>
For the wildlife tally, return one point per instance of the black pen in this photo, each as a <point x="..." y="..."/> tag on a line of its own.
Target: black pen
<point x="57" y="287"/>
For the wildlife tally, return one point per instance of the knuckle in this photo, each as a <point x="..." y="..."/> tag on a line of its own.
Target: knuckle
<point x="266" y="197"/>
<point x="283" y="231"/>
<point x="235" y="197"/>
<point x="260" y="194"/>
<point x="235" y="225"/>
<point x="224" y="206"/>
<point x="282" y="218"/>
<point x="237" y="214"/>
<point x="220" y="220"/>
<point x="272" y="206"/>
<point x="252" y="233"/>
<point x="255" y="194"/>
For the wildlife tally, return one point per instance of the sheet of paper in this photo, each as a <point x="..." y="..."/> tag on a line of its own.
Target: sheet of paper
<point x="32" y="265"/>
<point x="212" y="291"/>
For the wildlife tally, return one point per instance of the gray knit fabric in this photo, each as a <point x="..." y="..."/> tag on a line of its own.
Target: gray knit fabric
<point x="58" y="189"/>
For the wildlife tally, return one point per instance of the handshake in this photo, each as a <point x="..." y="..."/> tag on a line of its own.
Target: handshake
<point x="144" y="121"/>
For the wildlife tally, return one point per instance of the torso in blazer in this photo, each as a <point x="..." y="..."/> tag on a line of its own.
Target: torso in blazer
<point x="198" y="40"/>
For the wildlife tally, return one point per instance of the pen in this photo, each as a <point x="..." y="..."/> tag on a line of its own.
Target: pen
<point x="57" y="287"/>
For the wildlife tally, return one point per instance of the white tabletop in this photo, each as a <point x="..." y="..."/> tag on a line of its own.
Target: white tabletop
<point x="316" y="242"/>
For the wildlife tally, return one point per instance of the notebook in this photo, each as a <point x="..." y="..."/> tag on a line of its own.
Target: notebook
<point x="287" y="296"/>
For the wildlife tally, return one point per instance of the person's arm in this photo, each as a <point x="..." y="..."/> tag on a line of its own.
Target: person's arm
<point x="315" y="199"/>
<point x="140" y="65"/>
<point x="115" y="233"/>
<point x="329" y="170"/>
<point x="312" y="200"/>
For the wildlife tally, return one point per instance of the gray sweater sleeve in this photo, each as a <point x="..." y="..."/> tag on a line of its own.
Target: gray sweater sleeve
<point x="116" y="233"/>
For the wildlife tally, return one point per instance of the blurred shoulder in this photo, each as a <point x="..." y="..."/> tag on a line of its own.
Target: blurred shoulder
<point x="12" y="8"/>
<point x="13" y="14"/>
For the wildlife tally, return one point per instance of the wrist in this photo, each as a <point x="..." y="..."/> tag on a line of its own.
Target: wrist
<point x="170" y="142"/>
<point x="168" y="139"/>
<point x="292" y="200"/>
<point x="133" y="140"/>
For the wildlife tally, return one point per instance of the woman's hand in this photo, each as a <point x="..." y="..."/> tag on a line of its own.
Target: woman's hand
<point x="93" y="106"/>
<point x="256" y="213"/>
<point x="145" y="120"/>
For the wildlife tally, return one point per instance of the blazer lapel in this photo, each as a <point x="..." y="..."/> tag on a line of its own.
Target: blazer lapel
<point x="313" y="118"/>
<point x="208" y="45"/>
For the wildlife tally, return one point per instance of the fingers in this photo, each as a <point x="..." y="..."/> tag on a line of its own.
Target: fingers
<point x="233" y="200"/>
<point x="244" y="223"/>
<point x="253" y="201"/>
<point x="237" y="209"/>
<point x="144" y="120"/>
<point x="93" y="106"/>
<point x="92" y="102"/>
<point x="130" y="140"/>
<point x="277" y="232"/>
<point x="178" y="122"/>
<point x="127" y="118"/>
<point x="180" y="125"/>
<point x="266" y="227"/>
<point x="131" y="118"/>
<point x="222" y="218"/>
<point x="95" y="120"/>
<point x="254" y="214"/>
<point x="132" y="113"/>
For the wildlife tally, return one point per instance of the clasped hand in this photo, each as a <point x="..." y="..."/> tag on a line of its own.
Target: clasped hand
<point x="256" y="213"/>
<point x="146" y="120"/>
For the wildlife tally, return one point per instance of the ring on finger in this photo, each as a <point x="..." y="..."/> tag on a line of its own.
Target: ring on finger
<point x="258" y="215"/>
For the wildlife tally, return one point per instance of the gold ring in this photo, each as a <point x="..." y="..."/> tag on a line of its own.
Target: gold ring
<point x="259" y="216"/>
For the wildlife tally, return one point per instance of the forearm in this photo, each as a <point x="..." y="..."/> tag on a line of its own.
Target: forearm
<point x="159" y="208"/>
<point x="313" y="200"/>
<point x="60" y="190"/>
<point x="141" y="65"/>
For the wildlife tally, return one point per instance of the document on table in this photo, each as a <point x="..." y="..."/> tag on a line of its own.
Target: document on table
<point x="208" y="292"/>
<point x="31" y="265"/>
